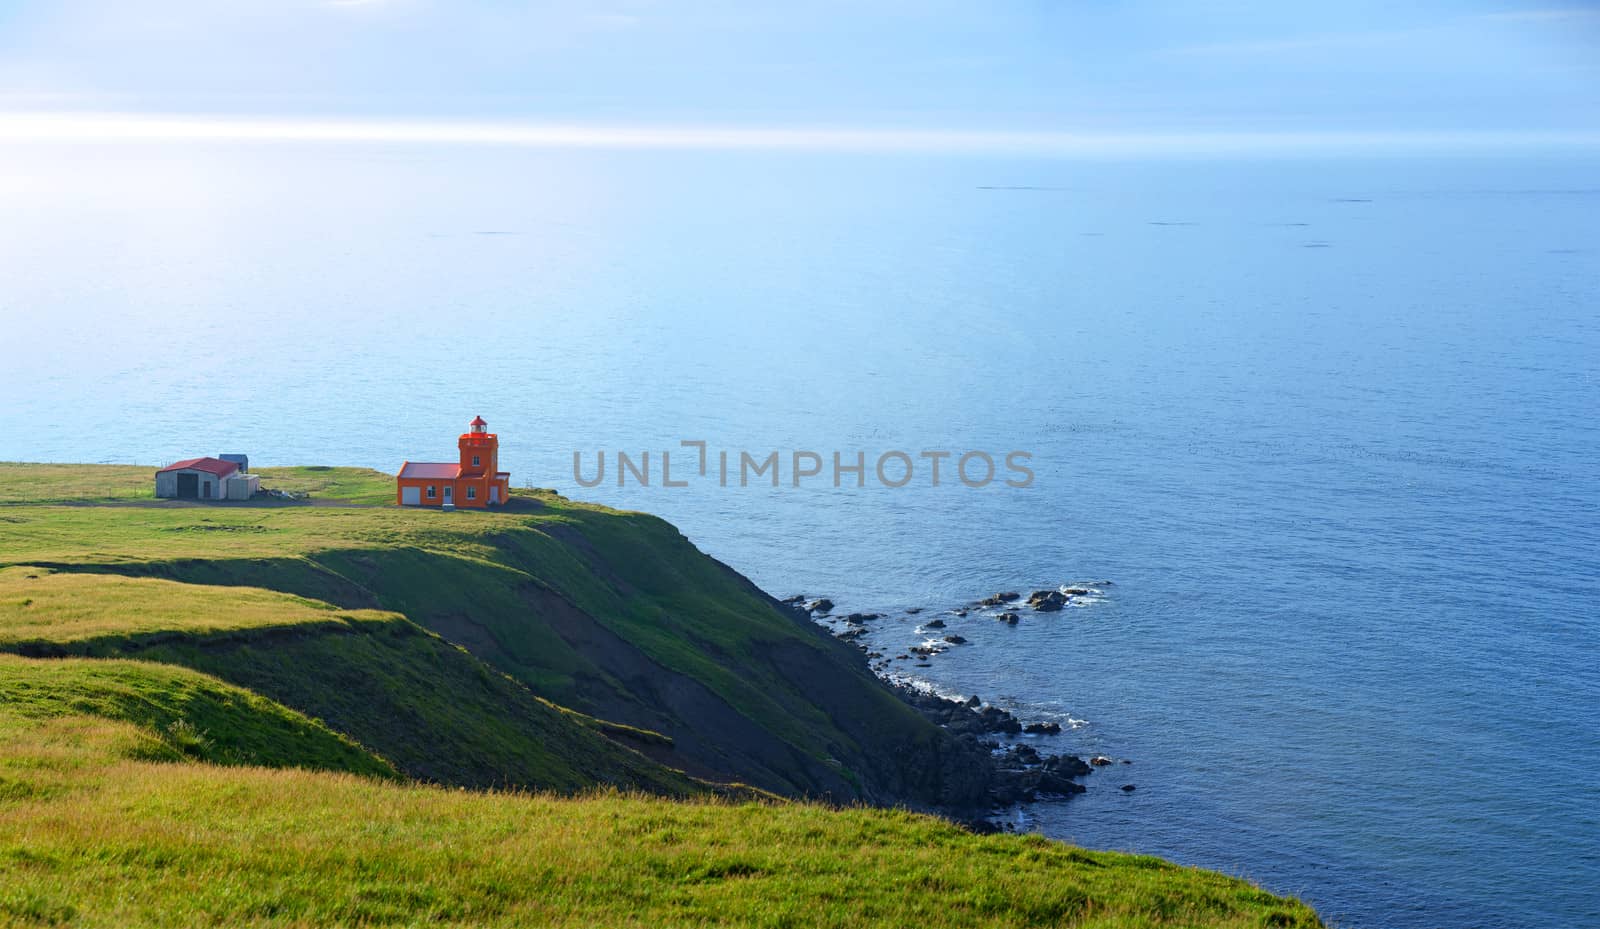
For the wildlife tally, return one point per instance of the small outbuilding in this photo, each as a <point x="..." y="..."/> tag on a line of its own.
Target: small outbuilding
<point x="206" y="479"/>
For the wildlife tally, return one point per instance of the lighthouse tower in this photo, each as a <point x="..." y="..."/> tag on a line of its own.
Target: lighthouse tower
<point x="480" y="450"/>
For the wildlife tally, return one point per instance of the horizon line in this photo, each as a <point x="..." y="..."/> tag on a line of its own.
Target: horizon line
<point x="111" y="127"/>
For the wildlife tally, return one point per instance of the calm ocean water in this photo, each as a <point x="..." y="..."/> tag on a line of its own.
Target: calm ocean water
<point x="1331" y="428"/>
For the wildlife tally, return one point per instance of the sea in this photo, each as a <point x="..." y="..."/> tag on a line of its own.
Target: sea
<point x="1329" y="426"/>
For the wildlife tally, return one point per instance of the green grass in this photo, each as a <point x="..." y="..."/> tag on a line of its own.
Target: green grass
<point x="32" y="483"/>
<point x="185" y="713"/>
<point x="92" y="838"/>
<point x="58" y="483"/>
<point x="430" y="708"/>
<point x="499" y="580"/>
<point x="39" y="606"/>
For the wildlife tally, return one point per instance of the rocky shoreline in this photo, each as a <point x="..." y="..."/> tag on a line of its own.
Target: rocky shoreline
<point x="1016" y="771"/>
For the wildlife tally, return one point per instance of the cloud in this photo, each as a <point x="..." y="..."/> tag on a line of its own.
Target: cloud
<point x="128" y="128"/>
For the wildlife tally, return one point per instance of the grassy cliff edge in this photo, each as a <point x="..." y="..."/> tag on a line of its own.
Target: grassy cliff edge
<point x="265" y="715"/>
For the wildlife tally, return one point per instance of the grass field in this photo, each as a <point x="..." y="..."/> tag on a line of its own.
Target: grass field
<point x="93" y="835"/>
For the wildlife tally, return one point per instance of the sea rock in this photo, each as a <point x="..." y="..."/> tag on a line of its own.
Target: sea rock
<point x="912" y="611"/>
<point x="1050" y="728"/>
<point x="955" y="640"/>
<point x="862" y="617"/>
<point x="1077" y="591"/>
<point x="1067" y="765"/>
<point x="1047" y="601"/>
<point x="1126" y="788"/>
<point x="1009" y="618"/>
<point x="795" y="600"/>
<point x="1100" y="761"/>
<point x="934" y="624"/>
<point x="1007" y="596"/>
<point x="974" y="702"/>
<point x="1055" y="783"/>
<point x="823" y="605"/>
<point x="958" y="612"/>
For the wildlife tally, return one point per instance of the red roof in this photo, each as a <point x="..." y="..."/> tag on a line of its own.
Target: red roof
<point x="209" y="465"/>
<point x="428" y="470"/>
<point x="478" y="421"/>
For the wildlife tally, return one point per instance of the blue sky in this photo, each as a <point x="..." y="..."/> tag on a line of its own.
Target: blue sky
<point x="991" y="67"/>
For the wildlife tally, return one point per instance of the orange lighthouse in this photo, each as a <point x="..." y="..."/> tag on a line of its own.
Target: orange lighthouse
<point x="474" y="481"/>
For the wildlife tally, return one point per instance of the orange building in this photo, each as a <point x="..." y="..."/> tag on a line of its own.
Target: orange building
<point x="474" y="481"/>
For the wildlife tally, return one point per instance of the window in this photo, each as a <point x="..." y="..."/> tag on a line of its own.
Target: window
<point x="432" y="491"/>
<point x="472" y="493"/>
<point x="475" y="462"/>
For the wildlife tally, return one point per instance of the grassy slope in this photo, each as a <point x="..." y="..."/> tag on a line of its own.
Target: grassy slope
<point x="187" y="714"/>
<point x="91" y="837"/>
<point x="614" y="614"/>
<point x="427" y="707"/>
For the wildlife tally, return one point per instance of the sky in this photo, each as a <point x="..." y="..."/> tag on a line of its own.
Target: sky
<point x="826" y="74"/>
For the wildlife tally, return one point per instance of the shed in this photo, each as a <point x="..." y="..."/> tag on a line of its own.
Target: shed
<point x="240" y="486"/>
<point x="195" y="479"/>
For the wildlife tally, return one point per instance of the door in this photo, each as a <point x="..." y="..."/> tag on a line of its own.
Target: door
<point x="494" y="493"/>
<point x="449" y="498"/>
<point x="189" y="486"/>
<point x="411" y="496"/>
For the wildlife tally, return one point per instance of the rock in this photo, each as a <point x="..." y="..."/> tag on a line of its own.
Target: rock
<point x="824" y="605"/>
<point x="1127" y="761"/>
<point x="1099" y="761"/>
<point x="974" y="702"/>
<point x="850" y="635"/>
<point x="1007" y="596"/>
<point x="1054" y="783"/>
<point x="1126" y="788"/>
<point x="1067" y="765"/>
<point x="955" y="640"/>
<point x="990" y="601"/>
<point x="935" y="624"/>
<point x="1077" y="591"/>
<point x="958" y="612"/>
<point x="925" y="650"/>
<point x="1009" y="618"/>
<point x="912" y="611"/>
<point x="1050" y="728"/>
<point x="795" y="600"/>
<point x="998" y="720"/>
<point x="1047" y="601"/>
